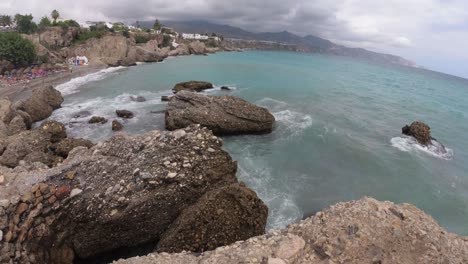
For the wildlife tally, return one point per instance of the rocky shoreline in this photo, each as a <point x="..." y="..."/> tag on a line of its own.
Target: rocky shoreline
<point x="67" y="200"/>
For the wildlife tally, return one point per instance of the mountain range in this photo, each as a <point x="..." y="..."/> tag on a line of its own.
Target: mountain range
<point x="307" y="43"/>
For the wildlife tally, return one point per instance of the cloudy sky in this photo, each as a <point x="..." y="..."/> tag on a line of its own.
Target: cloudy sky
<point x="433" y="33"/>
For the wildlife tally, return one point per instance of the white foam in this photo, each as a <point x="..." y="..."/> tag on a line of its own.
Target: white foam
<point x="410" y="144"/>
<point x="293" y="122"/>
<point x="218" y="88"/>
<point x="74" y="84"/>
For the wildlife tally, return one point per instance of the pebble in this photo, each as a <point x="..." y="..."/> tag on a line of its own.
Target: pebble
<point x="211" y="150"/>
<point x="172" y="175"/>
<point x="4" y="203"/>
<point x="1" y="235"/>
<point x="121" y="199"/>
<point x="75" y="192"/>
<point x="179" y="134"/>
<point x="2" y="179"/>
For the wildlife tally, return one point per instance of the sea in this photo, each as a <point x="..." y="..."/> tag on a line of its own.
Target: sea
<point x="337" y="135"/>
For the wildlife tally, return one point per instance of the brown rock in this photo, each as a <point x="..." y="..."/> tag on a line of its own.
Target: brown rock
<point x="193" y="86"/>
<point x="224" y="115"/>
<point x="22" y="207"/>
<point x="116" y="125"/>
<point x="68" y="144"/>
<point x="124" y="114"/>
<point x="420" y="131"/>
<point x="62" y="192"/>
<point x="42" y="102"/>
<point x="97" y="119"/>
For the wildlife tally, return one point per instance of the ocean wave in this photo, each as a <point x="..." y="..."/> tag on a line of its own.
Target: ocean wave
<point x="409" y="144"/>
<point x="74" y="84"/>
<point x="218" y="88"/>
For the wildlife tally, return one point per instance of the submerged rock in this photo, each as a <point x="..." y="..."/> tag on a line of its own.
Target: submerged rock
<point x="420" y="131"/>
<point x="116" y="125"/>
<point x="225" y="88"/>
<point x="193" y="86"/>
<point x="224" y="115"/>
<point x="363" y="231"/>
<point x="124" y="114"/>
<point x="128" y="192"/>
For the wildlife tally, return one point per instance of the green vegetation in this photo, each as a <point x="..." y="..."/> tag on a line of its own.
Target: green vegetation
<point x="157" y="25"/>
<point x="55" y="15"/>
<point x="67" y="23"/>
<point x="25" y="24"/>
<point x="166" y="41"/>
<point x="212" y="43"/>
<point x="16" y="49"/>
<point x="93" y="32"/>
<point x="141" y="39"/>
<point x="45" y="22"/>
<point x="5" y="20"/>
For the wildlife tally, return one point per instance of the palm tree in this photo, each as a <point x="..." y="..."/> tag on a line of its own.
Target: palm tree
<point x="55" y="14"/>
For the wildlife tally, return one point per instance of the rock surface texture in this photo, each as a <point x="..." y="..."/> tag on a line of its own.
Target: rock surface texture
<point x="192" y="86"/>
<point x="357" y="232"/>
<point x="224" y="115"/>
<point x="420" y="131"/>
<point x="42" y="102"/>
<point x="127" y="192"/>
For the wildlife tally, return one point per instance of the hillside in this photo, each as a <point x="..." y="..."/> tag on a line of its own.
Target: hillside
<point x="308" y="43"/>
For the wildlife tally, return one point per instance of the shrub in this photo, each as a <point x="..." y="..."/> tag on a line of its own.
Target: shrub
<point x="166" y="41"/>
<point x="17" y="50"/>
<point x="25" y="24"/>
<point x="141" y="39"/>
<point x="84" y="35"/>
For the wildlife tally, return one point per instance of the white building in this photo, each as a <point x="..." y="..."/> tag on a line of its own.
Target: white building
<point x="194" y="36"/>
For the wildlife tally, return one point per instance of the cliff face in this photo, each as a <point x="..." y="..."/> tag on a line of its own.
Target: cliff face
<point x="363" y="231"/>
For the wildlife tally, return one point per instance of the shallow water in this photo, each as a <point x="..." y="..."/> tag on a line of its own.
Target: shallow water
<point x="337" y="135"/>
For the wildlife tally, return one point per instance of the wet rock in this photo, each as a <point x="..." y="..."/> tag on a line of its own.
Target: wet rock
<point x="165" y="98"/>
<point x="193" y="86"/>
<point x="225" y="88"/>
<point x="82" y="114"/>
<point x="41" y="103"/>
<point x="203" y="226"/>
<point x="420" y="131"/>
<point x="116" y="125"/>
<point x="124" y="114"/>
<point x="224" y="115"/>
<point x="97" y="119"/>
<point x="138" y="98"/>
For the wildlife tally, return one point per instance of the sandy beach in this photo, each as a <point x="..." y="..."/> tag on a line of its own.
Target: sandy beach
<point x="22" y="90"/>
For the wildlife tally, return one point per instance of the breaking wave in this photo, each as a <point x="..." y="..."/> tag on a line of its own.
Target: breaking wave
<point x="74" y="84"/>
<point x="410" y="144"/>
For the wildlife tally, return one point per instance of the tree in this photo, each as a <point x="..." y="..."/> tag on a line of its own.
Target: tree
<point x="55" y="15"/>
<point x="157" y="25"/>
<point x="17" y="50"/>
<point x="45" y="22"/>
<point x="5" y="20"/>
<point x="25" y="24"/>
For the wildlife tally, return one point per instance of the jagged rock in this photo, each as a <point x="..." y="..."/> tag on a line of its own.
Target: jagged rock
<point x="126" y="192"/>
<point x="68" y="144"/>
<point x="97" y="119"/>
<point x="57" y="37"/>
<point x="181" y="50"/>
<point x="225" y="88"/>
<point x="124" y="114"/>
<point x="17" y="125"/>
<point x="363" y="231"/>
<point x="193" y="86"/>
<point x="234" y="204"/>
<point x="138" y="98"/>
<point x="224" y="115"/>
<point x="197" y="48"/>
<point x="420" y="131"/>
<point x="6" y="110"/>
<point x="165" y="98"/>
<point x="144" y="55"/>
<point x="116" y="125"/>
<point x="41" y="103"/>
<point x="33" y="145"/>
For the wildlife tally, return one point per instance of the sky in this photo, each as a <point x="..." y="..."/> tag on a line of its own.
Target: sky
<point x="432" y="33"/>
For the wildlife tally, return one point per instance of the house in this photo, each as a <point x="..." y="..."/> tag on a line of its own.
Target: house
<point x="194" y="36"/>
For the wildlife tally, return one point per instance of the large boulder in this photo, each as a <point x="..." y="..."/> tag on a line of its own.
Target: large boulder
<point x="420" y="131"/>
<point x="41" y="103"/>
<point x="235" y="214"/>
<point x="197" y="48"/>
<point x="193" y="86"/>
<point x="126" y="192"/>
<point x="12" y="121"/>
<point x="124" y="114"/>
<point x="181" y="50"/>
<point x="224" y="115"/>
<point x="65" y="146"/>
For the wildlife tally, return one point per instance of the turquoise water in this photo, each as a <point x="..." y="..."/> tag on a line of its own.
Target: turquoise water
<point x="337" y="135"/>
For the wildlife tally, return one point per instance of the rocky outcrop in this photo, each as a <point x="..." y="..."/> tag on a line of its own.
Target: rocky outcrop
<point x="197" y="48"/>
<point x="41" y="103"/>
<point x="192" y="86"/>
<point x="58" y="37"/>
<point x="117" y="126"/>
<point x="224" y="115"/>
<point x="124" y="114"/>
<point x="64" y="147"/>
<point x="363" y="231"/>
<point x="12" y="121"/>
<point x="420" y="131"/>
<point x="127" y="192"/>
<point x="97" y="119"/>
<point x="181" y="50"/>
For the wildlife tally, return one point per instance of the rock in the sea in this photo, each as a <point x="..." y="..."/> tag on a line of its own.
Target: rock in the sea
<point x="193" y="86"/>
<point x="363" y="231"/>
<point x="41" y="103"/>
<point x="138" y="98"/>
<point x="197" y="48"/>
<point x="124" y="114"/>
<point x="224" y="115"/>
<point x="225" y="88"/>
<point x="116" y="125"/>
<point x="420" y="131"/>
<point x="127" y="192"/>
<point x="97" y="119"/>
<point x="165" y="98"/>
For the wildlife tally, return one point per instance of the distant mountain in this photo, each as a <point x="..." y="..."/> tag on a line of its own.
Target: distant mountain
<point x="308" y="43"/>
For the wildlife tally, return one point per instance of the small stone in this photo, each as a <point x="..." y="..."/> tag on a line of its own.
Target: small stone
<point x="62" y="192"/>
<point x="113" y="212"/>
<point x="22" y="207"/>
<point x="179" y="133"/>
<point x="44" y="188"/>
<point x="136" y="172"/>
<point x="172" y="175"/>
<point x="121" y="199"/>
<point x="27" y="197"/>
<point x="4" y="203"/>
<point x="70" y="175"/>
<point x="75" y="192"/>
<point x="1" y="235"/>
<point x="2" y="179"/>
<point x="211" y="150"/>
<point x="52" y="199"/>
